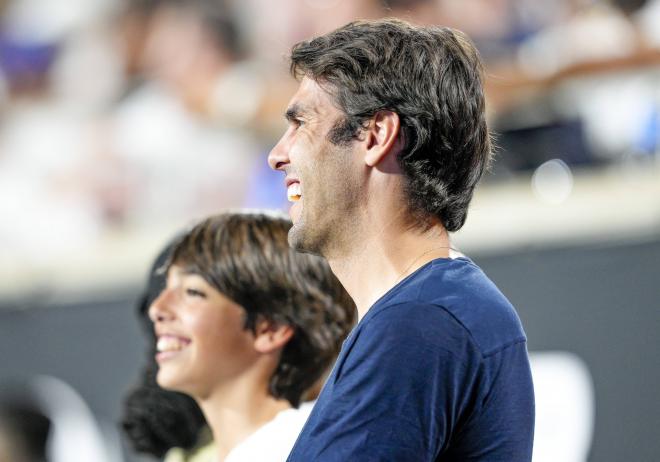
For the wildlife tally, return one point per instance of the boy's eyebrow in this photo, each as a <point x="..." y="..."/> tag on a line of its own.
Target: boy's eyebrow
<point x="191" y="271"/>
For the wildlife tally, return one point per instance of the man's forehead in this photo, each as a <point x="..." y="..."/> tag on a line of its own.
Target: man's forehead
<point x="310" y="98"/>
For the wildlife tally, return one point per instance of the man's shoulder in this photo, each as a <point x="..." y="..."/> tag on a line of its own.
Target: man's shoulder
<point x="453" y="299"/>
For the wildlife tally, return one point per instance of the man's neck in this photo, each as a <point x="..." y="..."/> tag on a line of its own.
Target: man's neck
<point x="390" y="251"/>
<point x="234" y="416"/>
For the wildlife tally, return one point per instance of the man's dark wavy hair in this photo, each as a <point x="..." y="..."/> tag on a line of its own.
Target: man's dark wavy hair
<point x="432" y="78"/>
<point x="246" y="256"/>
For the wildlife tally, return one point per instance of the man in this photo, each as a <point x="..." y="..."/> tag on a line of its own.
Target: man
<point x="387" y="139"/>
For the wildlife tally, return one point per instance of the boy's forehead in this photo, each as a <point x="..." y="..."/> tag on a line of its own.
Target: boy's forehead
<point x="179" y="270"/>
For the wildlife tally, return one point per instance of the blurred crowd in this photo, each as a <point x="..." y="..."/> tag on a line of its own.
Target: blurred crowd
<point x="117" y="115"/>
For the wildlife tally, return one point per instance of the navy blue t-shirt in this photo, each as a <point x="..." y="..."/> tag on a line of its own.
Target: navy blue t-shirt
<point x="437" y="370"/>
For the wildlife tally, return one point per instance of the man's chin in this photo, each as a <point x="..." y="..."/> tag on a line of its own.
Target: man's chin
<point x="300" y="241"/>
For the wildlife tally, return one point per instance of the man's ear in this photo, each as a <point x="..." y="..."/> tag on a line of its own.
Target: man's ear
<point x="271" y="336"/>
<point x="381" y="137"/>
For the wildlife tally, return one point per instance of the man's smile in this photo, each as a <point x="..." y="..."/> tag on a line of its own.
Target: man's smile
<point x="294" y="192"/>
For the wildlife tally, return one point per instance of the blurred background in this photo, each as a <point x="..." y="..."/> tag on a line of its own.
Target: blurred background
<point x="123" y="121"/>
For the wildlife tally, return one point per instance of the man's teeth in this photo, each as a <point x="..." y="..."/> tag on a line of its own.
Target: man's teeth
<point x="168" y="343"/>
<point x="294" y="192"/>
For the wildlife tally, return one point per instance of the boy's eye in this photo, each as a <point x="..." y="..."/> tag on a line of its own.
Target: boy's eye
<point x="195" y="293"/>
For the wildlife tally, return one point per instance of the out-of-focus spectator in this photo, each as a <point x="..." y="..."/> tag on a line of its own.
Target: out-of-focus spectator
<point x="648" y="19"/>
<point x="42" y="139"/>
<point x="594" y="31"/>
<point x="564" y="94"/>
<point x="172" y="130"/>
<point x="278" y="25"/>
<point x="106" y="104"/>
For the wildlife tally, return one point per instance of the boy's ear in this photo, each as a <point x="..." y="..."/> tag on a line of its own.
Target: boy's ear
<point x="381" y="137"/>
<point x="271" y="336"/>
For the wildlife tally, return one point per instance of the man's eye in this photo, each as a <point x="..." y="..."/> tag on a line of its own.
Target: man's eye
<point x="195" y="293"/>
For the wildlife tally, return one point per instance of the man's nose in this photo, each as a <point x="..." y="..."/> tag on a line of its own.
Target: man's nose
<point x="278" y="158"/>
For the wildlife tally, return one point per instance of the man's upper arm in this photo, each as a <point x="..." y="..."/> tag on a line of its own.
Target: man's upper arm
<point x="503" y="430"/>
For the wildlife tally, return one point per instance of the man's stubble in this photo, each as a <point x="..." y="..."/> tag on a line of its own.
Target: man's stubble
<point x="329" y="221"/>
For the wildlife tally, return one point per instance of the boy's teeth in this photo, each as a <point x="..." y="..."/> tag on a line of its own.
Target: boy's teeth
<point x="170" y="344"/>
<point x="294" y="192"/>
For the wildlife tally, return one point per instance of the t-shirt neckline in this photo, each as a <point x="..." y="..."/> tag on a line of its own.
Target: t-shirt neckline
<point x="399" y="285"/>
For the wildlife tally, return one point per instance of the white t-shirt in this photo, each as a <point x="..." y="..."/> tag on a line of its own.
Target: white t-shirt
<point x="273" y="441"/>
<point x="270" y="443"/>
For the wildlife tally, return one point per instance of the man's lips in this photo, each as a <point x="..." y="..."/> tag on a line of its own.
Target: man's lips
<point x="294" y="192"/>
<point x="290" y="180"/>
<point x="293" y="189"/>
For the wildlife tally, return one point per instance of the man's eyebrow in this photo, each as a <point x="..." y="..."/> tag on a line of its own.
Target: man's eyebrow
<point x="293" y="112"/>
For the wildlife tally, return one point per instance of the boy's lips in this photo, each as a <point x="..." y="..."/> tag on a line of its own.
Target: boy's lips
<point x="168" y="345"/>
